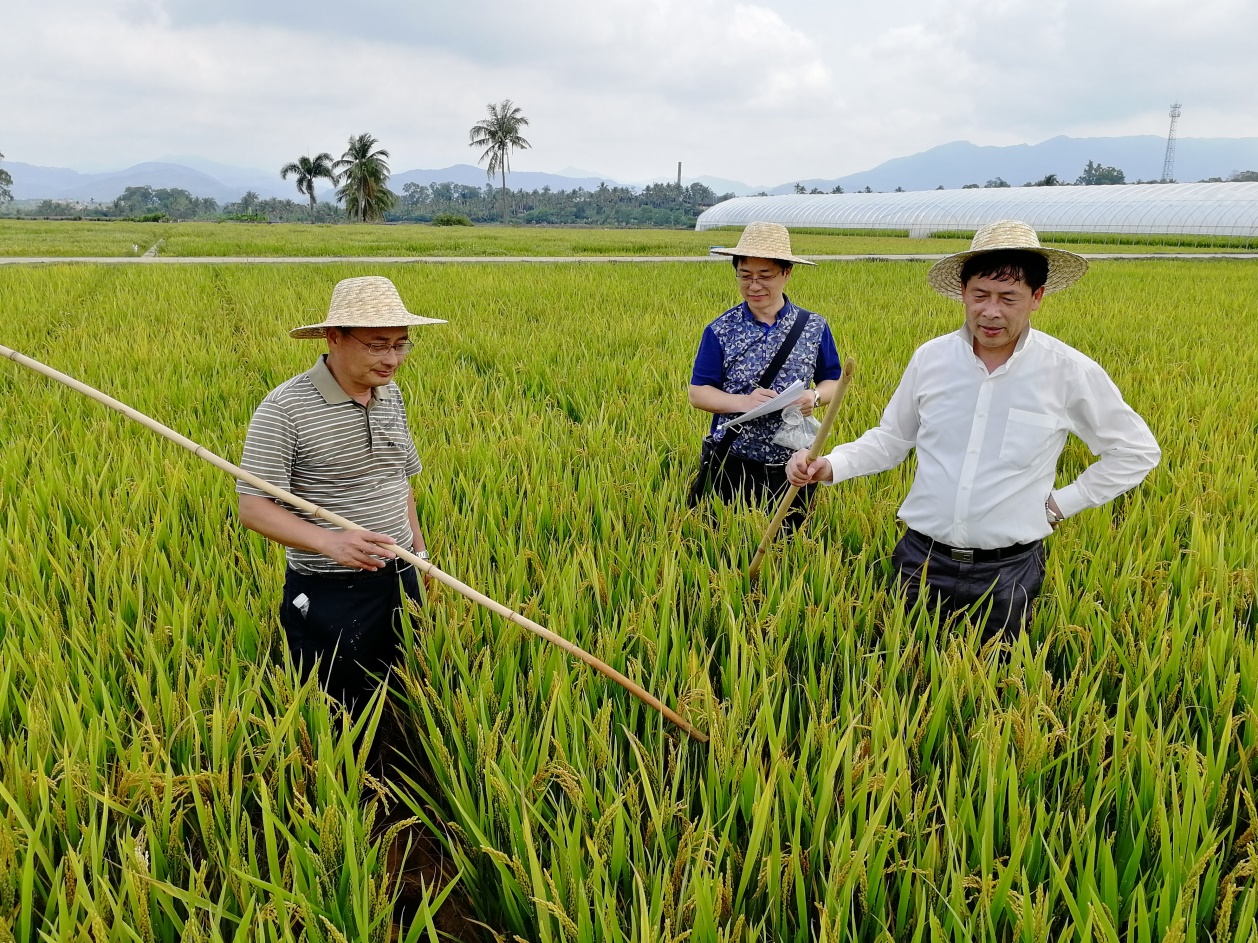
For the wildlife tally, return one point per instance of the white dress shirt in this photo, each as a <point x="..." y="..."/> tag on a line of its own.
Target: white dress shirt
<point x="988" y="443"/>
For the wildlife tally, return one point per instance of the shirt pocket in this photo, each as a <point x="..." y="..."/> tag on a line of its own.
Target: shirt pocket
<point x="394" y="434"/>
<point x="1027" y="437"/>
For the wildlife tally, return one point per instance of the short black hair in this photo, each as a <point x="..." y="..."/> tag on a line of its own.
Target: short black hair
<point x="782" y="263"/>
<point x="1007" y="265"/>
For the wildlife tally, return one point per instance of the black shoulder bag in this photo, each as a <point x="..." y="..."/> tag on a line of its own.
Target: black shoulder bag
<point x="713" y="455"/>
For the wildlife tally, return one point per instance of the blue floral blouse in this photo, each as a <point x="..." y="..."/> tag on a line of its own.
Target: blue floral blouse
<point x="736" y="348"/>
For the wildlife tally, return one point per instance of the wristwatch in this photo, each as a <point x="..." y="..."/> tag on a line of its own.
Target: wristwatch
<point x="1053" y="517"/>
<point x="422" y="554"/>
<point x="816" y="399"/>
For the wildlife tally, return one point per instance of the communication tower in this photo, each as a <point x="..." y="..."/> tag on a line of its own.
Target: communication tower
<point x="1168" y="165"/>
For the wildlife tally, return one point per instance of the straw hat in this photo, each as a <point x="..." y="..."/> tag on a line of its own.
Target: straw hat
<point x="765" y="241"/>
<point x="1064" y="268"/>
<point x="366" y="301"/>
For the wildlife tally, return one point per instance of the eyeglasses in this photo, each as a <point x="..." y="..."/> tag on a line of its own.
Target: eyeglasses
<point x="401" y="348"/>
<point x="747" y="278"/>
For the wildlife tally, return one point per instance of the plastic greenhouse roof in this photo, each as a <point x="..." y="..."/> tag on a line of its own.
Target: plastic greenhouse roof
<point x="1229" y="209"/>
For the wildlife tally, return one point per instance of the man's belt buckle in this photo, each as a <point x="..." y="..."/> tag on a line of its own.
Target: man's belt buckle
<point x="962" y="556"/>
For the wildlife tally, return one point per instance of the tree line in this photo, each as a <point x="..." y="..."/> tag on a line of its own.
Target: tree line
<point x="153" y="204"/>
<point x="1096" y="174"/>
<point x="659" y="204"/>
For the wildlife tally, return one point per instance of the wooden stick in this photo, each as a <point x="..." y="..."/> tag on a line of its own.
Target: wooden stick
<point x="784" y="506"/>
<point x="427" y="568"/>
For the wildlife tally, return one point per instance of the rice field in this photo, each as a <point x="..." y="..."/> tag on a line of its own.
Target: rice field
<point x="119" y="239"/>
<point x="294" y="239"/>
<point x="871" y="776"/>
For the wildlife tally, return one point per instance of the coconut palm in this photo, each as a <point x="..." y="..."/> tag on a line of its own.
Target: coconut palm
<point x="364" y="175"/>
<point x="308" y="170"/>
<point x="499" y="134"/>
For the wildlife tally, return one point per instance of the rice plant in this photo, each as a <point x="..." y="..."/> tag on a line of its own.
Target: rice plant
<point x="87" y="238"/>
<point x="872" y="775"/>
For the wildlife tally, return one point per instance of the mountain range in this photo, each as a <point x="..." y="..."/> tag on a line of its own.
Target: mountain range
<point x="959" y="163"/>
<point x="950" y="165"/>
<point x="226" y="183"/>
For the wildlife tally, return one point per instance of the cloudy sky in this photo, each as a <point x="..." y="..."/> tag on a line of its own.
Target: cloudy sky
<point x="759" y="92"/>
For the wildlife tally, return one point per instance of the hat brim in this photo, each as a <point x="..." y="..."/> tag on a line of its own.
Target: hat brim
<point x="1064" y="269"/>
<point x="321" y="330"/>
<point x="792" y="259"/>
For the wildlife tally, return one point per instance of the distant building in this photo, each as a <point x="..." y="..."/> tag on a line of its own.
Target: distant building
<point x="1215" y="209"/>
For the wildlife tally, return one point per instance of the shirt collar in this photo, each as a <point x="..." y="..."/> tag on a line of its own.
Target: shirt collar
<point x="788" y="308"/>
<point x="968" y="339"/>
<point x="332" y="392"/>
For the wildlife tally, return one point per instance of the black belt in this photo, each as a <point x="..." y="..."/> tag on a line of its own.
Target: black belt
<point x="966" y="555"/>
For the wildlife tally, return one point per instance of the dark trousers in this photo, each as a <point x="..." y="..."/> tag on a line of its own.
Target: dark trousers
<point x="349" y="625"/>
<point x="755" y="482"/>
<point x="1003" y="588"/>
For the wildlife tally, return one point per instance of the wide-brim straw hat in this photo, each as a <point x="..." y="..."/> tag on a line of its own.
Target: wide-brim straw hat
<point x="365" y="301"/>
<point x="765" y="241"/>
<point x="1064" y="268"/>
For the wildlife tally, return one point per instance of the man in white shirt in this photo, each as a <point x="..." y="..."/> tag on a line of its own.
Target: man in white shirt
<point x="988" y="409"/>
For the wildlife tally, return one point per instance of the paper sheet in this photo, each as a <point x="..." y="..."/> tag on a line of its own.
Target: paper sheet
<point x="777" y="404"/>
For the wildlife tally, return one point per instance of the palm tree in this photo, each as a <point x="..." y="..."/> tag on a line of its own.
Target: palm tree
<point x="498" y="134"/>
<point x="364" y="174"/>
<point x="308" y="170"/>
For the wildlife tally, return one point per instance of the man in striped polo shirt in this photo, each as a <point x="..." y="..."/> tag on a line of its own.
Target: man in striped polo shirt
<point x="337" y="436"/>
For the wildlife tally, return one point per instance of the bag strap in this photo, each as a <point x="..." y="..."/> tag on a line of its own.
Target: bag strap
<point x="770" y="374"/>
<point x="788" y="345"/>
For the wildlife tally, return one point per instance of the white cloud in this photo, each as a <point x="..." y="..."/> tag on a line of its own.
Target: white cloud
<point x="764" y="93"/>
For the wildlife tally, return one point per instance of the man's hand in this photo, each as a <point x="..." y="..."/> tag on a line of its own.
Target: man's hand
<point x="357" y="549"/>
<point x="805" y="402"/>
<point x="1051" y="505"/>
<point x="800" y="472"/>
<point x="423" y="575"/>
<point x="756" y="397"/>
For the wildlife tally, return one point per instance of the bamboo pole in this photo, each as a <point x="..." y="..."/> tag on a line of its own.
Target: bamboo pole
<point x="426" y="567"/>
<point x="784" y="506"/>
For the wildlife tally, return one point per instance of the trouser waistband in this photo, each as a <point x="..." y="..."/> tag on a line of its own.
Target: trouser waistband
<point x="975" y="555"/>
<point x="392" y="567"/>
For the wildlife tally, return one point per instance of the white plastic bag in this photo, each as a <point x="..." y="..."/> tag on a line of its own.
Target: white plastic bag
<point x="797" y="430"/>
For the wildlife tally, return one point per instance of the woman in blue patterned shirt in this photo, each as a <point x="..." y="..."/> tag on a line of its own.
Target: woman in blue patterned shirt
<point x="734" y="353"/>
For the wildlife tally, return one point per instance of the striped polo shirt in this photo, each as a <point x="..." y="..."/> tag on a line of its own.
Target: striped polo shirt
<point x="312" y="438"/>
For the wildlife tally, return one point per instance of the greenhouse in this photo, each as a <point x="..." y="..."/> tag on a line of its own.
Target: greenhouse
<point x="1213" y="209"/>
